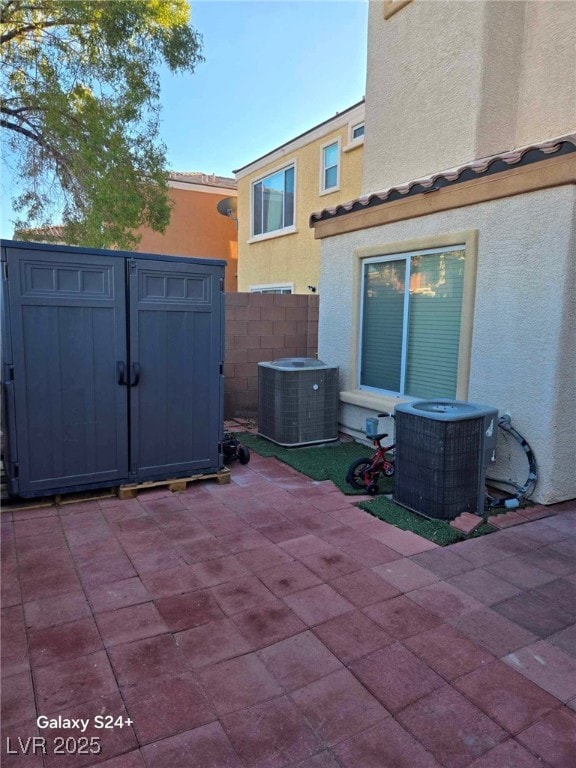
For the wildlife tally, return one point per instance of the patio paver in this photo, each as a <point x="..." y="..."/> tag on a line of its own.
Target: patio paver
<point x="270" y="623"/>
<point x="318" y="604"/>
<point x="238" y="683"/>
<point x="209" y="745"/>
<point x="351" y="636"/>
<point x="385" y="744"/>
<point x="401" y="617"/>
<point x="448" y="652"/>
<point x="552" y="738"/>
<point x="145" y="659"/>
<point x="118" y="740"/>
<point x="162" y="707"/>
<point x="299" y="660"/>
<point x="271" y="735"/>
<point x="451" y="728"/>
<point x="514" y="706"/>
<point x="213" y="642"/>
<point x="338" y="706"/>
<point x="395" y="676"/>
<point x="548" y="666"/>
<point x="63" y="641"/>
<point x="509" y="754"/>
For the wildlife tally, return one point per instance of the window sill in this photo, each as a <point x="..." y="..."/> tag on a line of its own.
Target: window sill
<point x="353" y="145"/>
<point x="328" y="191"/>
<point x="272" y="235"/>
<point x="372" y="401"/>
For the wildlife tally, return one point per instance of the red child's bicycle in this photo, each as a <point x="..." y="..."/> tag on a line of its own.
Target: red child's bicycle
<point x="363" y="473"/>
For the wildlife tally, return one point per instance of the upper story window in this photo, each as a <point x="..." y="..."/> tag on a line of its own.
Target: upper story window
<point x="355" y="136"/>
<point x="273" y="202"/>
<point x="410" y="322"/>
<point x="330" y="180"/>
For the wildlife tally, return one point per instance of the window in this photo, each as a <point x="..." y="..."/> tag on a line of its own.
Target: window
<point x="355" y="135"/>
<point x="271" y="288"/>
<point x="330" y="167"/>
<point x="410" y="322"/>
<point x="273" y="202"/>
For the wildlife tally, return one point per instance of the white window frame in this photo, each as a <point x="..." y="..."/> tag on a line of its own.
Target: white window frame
<point x="328" y="190"/>
<point x="284" y="288"/>
<point x="283" y="230"/>
<point x="352" y="142"/>
<point x="353" y="127"/>
<point x="398" y="256"/>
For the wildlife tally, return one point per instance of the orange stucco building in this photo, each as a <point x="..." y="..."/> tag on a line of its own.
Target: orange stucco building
<point x="196" y="228"/>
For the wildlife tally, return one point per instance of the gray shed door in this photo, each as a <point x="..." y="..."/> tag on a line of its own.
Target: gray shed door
<point x="176" y="345"/>
<point x="68" y="334"/>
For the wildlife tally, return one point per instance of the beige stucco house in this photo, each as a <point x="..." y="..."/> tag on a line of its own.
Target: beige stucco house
<point x="454" y="273"/>
<point x="277" y="252"/>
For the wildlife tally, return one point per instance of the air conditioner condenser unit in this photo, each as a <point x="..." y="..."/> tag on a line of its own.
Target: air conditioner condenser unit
<point x="443" y="448"/>
<point x="298" y="401"/>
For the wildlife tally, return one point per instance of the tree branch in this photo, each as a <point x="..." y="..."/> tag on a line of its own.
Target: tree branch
<point x="38" y="139"/>
<point x="15" y="112"/>
<point x="20" y="31"/>
<point x="24" y="131"/>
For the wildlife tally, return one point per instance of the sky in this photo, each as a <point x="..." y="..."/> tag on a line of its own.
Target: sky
<point x="272" y="70"/>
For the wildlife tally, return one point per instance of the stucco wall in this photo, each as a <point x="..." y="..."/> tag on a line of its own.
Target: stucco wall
<point x="295" y="258"/>
<point x="452" y="81"/>
<point x="197" y="229"/>
<point x="524" y="326"/>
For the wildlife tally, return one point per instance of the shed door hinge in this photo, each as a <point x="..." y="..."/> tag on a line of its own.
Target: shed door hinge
<point x="221" y="369"/>
<point x="11" y="372"/>
<point x="16" y="470"/>
<point x="221" y="285"/>
<point x="5" y="270"/>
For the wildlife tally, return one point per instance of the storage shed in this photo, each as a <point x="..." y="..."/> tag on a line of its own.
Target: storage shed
<point x="112" y="367"/>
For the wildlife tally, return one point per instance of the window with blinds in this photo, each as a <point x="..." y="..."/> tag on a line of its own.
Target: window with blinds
<point x="410" y="334"/>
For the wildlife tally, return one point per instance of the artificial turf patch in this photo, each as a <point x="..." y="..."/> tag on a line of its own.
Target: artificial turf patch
<point x="438" y="531"/>
<point x="330" y="461"/>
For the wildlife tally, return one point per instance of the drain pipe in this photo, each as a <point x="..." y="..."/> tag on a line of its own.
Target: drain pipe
<point x="524" y="491"/>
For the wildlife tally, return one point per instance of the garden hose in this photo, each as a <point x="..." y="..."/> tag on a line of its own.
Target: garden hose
<point x="522" y="491"/>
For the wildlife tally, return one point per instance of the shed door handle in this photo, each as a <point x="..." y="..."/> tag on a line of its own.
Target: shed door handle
<point x="135" y="375"/>
<point x="121" y="373"/>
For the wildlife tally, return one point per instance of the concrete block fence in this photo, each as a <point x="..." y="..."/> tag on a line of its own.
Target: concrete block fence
<point x="261" y="327"/>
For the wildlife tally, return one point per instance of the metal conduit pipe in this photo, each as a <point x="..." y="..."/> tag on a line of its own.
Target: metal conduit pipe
<point x="524" y="491"/>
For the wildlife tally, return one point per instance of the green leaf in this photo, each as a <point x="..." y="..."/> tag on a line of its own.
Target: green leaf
<point x="81" y="112"/>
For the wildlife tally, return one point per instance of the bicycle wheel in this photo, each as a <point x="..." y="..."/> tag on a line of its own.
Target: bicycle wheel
<point x="373" y="489"/>
<point x="356" y="473"/>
